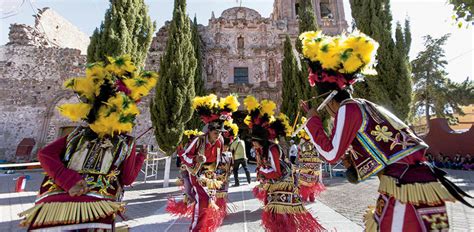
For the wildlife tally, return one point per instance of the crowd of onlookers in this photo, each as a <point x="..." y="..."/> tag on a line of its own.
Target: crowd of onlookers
<point x="457" y="162"/>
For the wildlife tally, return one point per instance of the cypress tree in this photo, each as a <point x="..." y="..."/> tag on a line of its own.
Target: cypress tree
<point x="407" y="36"/>
<point x="391" y="87"/>
<point x="195" y="122"/>
<point x="307" y="22"/>
<point x="289" y="104"/>
<point x="171" y="107"/>
<point x="401" y="88"/>
<point x="126" y="29"/>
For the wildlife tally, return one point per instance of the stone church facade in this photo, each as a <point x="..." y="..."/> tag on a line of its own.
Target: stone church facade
<point x="242" y="53"/>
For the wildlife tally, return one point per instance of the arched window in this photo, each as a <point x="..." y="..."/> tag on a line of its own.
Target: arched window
<point x="325" y="8"/>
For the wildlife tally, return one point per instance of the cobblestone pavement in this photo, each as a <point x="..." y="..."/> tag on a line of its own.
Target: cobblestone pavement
<point x="352" y="200"/>
<point x="340" y="207"/>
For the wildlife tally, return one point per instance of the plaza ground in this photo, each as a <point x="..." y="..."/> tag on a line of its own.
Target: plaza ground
<point x="339" y="208"/>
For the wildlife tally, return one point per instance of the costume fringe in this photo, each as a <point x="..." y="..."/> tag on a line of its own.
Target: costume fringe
<point x="432" y="193"/>
<point x="310" y="160"/>
<point x="298" y="222"/>
<point x="221" y="195"/>
<point x="63" y="213"/>
<point x="369" y="220"/>
<point x="179" y="208"/>
<point x="212" y="220"/>
<point x="285" y="209"/>
<point x="222" y="204"/>
<point x="279" y="186"/>
<point x="309" y="193"/>
<point x="211" y="183"/>
<point x="259" y="193"/>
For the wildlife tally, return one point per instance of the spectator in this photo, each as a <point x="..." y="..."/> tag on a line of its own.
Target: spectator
<point x="456" y="164"/>
<point x="468" y="163"/>
<point x="439" y="161"/>
<point x="240" y="159"/>
<point x="447" y="162"/>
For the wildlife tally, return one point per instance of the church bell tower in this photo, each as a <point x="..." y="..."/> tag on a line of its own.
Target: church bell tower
<point x="329" y="14"/>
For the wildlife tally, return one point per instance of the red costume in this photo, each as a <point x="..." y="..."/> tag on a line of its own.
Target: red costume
<point x="205" y="216"/>
<point x="412" y="193"/>
<point x="87" y="170"/>
<point x="310" y="181"/>
<point x="283" y="209"/>
<point x="105" y="175"/>
<point x="201" y="159"/>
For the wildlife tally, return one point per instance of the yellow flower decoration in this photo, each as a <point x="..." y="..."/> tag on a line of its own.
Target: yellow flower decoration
<point x="302" y="133"/>
<point x="247" y="120"/>
<point x="96" y="70"/>
<point x="267" y="107"/>
<point x="75" y="112"/>
<point x="286" y="122"/>
<point x="209" y="101"/>
<point x="346" y="54"/>
<point x="231" y="102"/>
<point x="234" y="127"/>
<point x="194" y="132"/>
<point x="251" y="103"/>
<point x="120" y="65"/>
<point x="83" y="86"/>
<point x="141" y="86"/>
<point x="329" y="53"/>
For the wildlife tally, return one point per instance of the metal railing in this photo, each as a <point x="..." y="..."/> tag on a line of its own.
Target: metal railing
<point x="151" y="166"/>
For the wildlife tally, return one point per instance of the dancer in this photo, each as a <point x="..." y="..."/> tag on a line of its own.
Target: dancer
<point x="184" y="207"/>
<point x="201" y="160"/>
<point x="87" y="169"/>
<point x="412" y="192"/>
<point x="283" y="210"/>
<point x="224" y="166"/>
<point x="309" y="168"/>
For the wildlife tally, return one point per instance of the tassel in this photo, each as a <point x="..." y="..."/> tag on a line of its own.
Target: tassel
<point x="222" y="205"/>
<point x="276" y="222"/>
<point x="369" y="220"/>
<point x="259" y="193"/>
<point x="56" y="213"/>
<point x="431" y="193"/>
<point x="311" y="192"/>
<point x="212" y="204"/>
<point x="179" y="208"/>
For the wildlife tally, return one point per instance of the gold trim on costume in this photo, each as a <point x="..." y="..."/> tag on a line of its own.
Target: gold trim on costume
<point x="369" y="220"/>
<point x="61" y="213"/>
<point x="431" y="193"/>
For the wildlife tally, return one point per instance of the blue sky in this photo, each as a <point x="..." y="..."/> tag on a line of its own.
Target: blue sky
<point x="431" y="17"/>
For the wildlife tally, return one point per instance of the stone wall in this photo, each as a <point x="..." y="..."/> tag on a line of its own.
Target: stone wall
<point x="31" y="81"/>
<point x="36" y="61"/>
<point x="30" y="86"/>
<point x="50" y="30"/>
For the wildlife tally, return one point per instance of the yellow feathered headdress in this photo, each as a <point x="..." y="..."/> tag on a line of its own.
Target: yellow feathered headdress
<point x="109" y="94"/>
<point x="302" y="133"/>
<point x="337" y="59"/>
<point x="211" y="109"/>
<point x="262" y="121"/>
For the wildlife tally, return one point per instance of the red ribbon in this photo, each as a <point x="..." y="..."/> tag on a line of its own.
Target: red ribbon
<point x="121" y="87"/>
<point x="338" y="79"/>
<point x="207" y="119"/>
